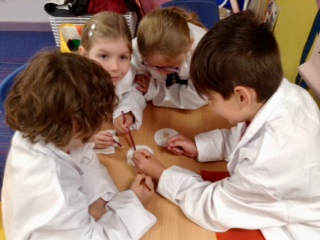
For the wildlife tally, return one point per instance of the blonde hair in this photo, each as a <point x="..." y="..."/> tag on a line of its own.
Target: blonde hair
<point x="165" y="31"/>
<point x="106" y="25"/>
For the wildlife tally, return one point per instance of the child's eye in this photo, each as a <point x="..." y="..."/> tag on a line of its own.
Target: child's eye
<point x="124" y="57"/>
<point x="104" y="56"/>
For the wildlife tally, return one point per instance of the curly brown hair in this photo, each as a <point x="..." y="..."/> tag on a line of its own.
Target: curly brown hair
<point x="59" y="95"/>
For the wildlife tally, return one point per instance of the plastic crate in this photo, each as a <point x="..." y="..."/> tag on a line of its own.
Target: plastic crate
<point x="55" y="22"/>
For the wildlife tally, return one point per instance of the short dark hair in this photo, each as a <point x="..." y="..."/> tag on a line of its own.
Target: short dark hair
<point x="237" y="51"/>
<point x="58" y="95"/>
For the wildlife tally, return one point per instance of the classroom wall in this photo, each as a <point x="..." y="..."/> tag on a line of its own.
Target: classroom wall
<point x="23" y="11"/>
<point x="291" y="30"/>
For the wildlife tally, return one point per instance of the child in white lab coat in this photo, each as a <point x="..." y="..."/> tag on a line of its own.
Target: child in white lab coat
<point x="106" y="38"/>
<point x="273" y="152"/>
<point x="54" y="186"/>
<point x="166" y="39"/>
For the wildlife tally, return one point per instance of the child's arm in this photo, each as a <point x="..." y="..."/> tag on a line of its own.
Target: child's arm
<point x="142" y="186"/>
<point x="103" y="139"/>
<point x="98" y="209"/>
<point x="180" y="145"/>
<point x="234" y="6"/>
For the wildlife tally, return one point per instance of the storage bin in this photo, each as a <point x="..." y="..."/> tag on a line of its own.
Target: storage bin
<point x="55" y="22"/>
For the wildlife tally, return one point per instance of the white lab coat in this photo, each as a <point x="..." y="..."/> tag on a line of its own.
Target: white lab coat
<point x="130" y="99"/>
<point x="175" y="96"/>
<point x="46" y="193"/>
<point x="274" y="168"/>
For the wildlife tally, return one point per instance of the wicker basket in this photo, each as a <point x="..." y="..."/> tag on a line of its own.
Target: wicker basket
<point x="55" y="22"/>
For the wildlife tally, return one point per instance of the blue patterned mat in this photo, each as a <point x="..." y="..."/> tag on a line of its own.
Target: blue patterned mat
<point x="15" y="50"/>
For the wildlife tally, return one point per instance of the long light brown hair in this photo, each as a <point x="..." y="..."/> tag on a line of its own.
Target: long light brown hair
<point x="165" y="31"/>
<point x="106" y="25"/>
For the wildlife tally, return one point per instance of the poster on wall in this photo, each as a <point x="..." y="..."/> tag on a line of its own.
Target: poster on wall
<point x="265" y="10"/>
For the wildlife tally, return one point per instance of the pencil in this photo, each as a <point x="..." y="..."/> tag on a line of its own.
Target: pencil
<point x="144" y="183"/>
<point x="129" y="132"/>
<point x="132" y="142"/>
<point x="119" y="144"/>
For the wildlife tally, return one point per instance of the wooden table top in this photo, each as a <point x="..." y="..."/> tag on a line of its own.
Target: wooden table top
<point x="172" y="223"/>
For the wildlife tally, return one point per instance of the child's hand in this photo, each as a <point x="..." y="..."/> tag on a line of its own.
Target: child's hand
<point x="97" y="209"/>
<point x="147" y="163"/>
<point x="121" y="126"/>
<point x="180" y="145"/>
<point x="143" y="82"/>
<point x="103" y="139"/>
<point x="143" y="187"/>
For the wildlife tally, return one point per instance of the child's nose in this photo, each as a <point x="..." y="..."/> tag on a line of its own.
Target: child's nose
<point x="114" y="65"/>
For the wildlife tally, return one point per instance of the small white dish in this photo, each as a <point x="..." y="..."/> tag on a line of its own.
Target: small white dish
<point x="162" y="135"/>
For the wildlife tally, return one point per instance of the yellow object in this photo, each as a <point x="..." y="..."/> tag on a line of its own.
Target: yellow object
<point x="2" y="236"/>
<point x="292" y="29"/>
<point x="68" y="32"/>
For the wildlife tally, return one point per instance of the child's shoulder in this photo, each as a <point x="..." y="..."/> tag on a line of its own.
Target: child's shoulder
<point x="196" y="32"/>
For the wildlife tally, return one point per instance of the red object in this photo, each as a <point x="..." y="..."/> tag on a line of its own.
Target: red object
<point x="240" y="234"/>
<point x="118" y="6"/>
<point x="231" y="234"/>
<point x="129" y="132"/>
<point x="131" y="139"/>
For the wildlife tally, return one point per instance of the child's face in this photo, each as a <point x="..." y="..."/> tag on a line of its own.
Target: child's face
<point x="164" y="65"/>
<point x="113" y="55"/>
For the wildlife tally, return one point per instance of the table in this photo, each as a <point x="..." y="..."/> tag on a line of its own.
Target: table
<point x="172" y="224"/>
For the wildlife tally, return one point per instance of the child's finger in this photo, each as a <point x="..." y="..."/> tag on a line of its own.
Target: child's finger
<point x="176" y="150"/>
<point x="143" y="90"/>
<point x="139" y="178"/>
<point x="176" y="143"/>
<point x="175" y="138"/>
<point x="148" y="181"/>
<point x="141" y="154"/>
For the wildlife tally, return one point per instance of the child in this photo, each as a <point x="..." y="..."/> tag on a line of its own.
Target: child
<point x="106" y="38"/>
<point x="166" y="39"/>
<point x="54" y="186"/>
<point x="273" y="153"/>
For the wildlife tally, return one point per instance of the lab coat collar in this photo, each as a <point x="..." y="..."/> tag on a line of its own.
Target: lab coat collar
<point x="263" y="115"/>
<point x="75" y="156"/>
<point x="125" y="84"/>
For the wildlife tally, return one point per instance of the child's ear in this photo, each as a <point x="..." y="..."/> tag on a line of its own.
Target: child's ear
<point x="82" y="51"/>
<point x="245" y="95"/>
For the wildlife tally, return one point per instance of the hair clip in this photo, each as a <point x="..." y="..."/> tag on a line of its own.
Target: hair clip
<point x="93" y="26"/>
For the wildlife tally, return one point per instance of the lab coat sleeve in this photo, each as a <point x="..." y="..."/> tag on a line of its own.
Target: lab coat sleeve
<point x="96" y="181"/>
<point x="230" y="203"/>
<point x="217" y="144"/>
<point x="125" y="218"/>
<point x="132" y="101"/>
<point x="128" y="216"/>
